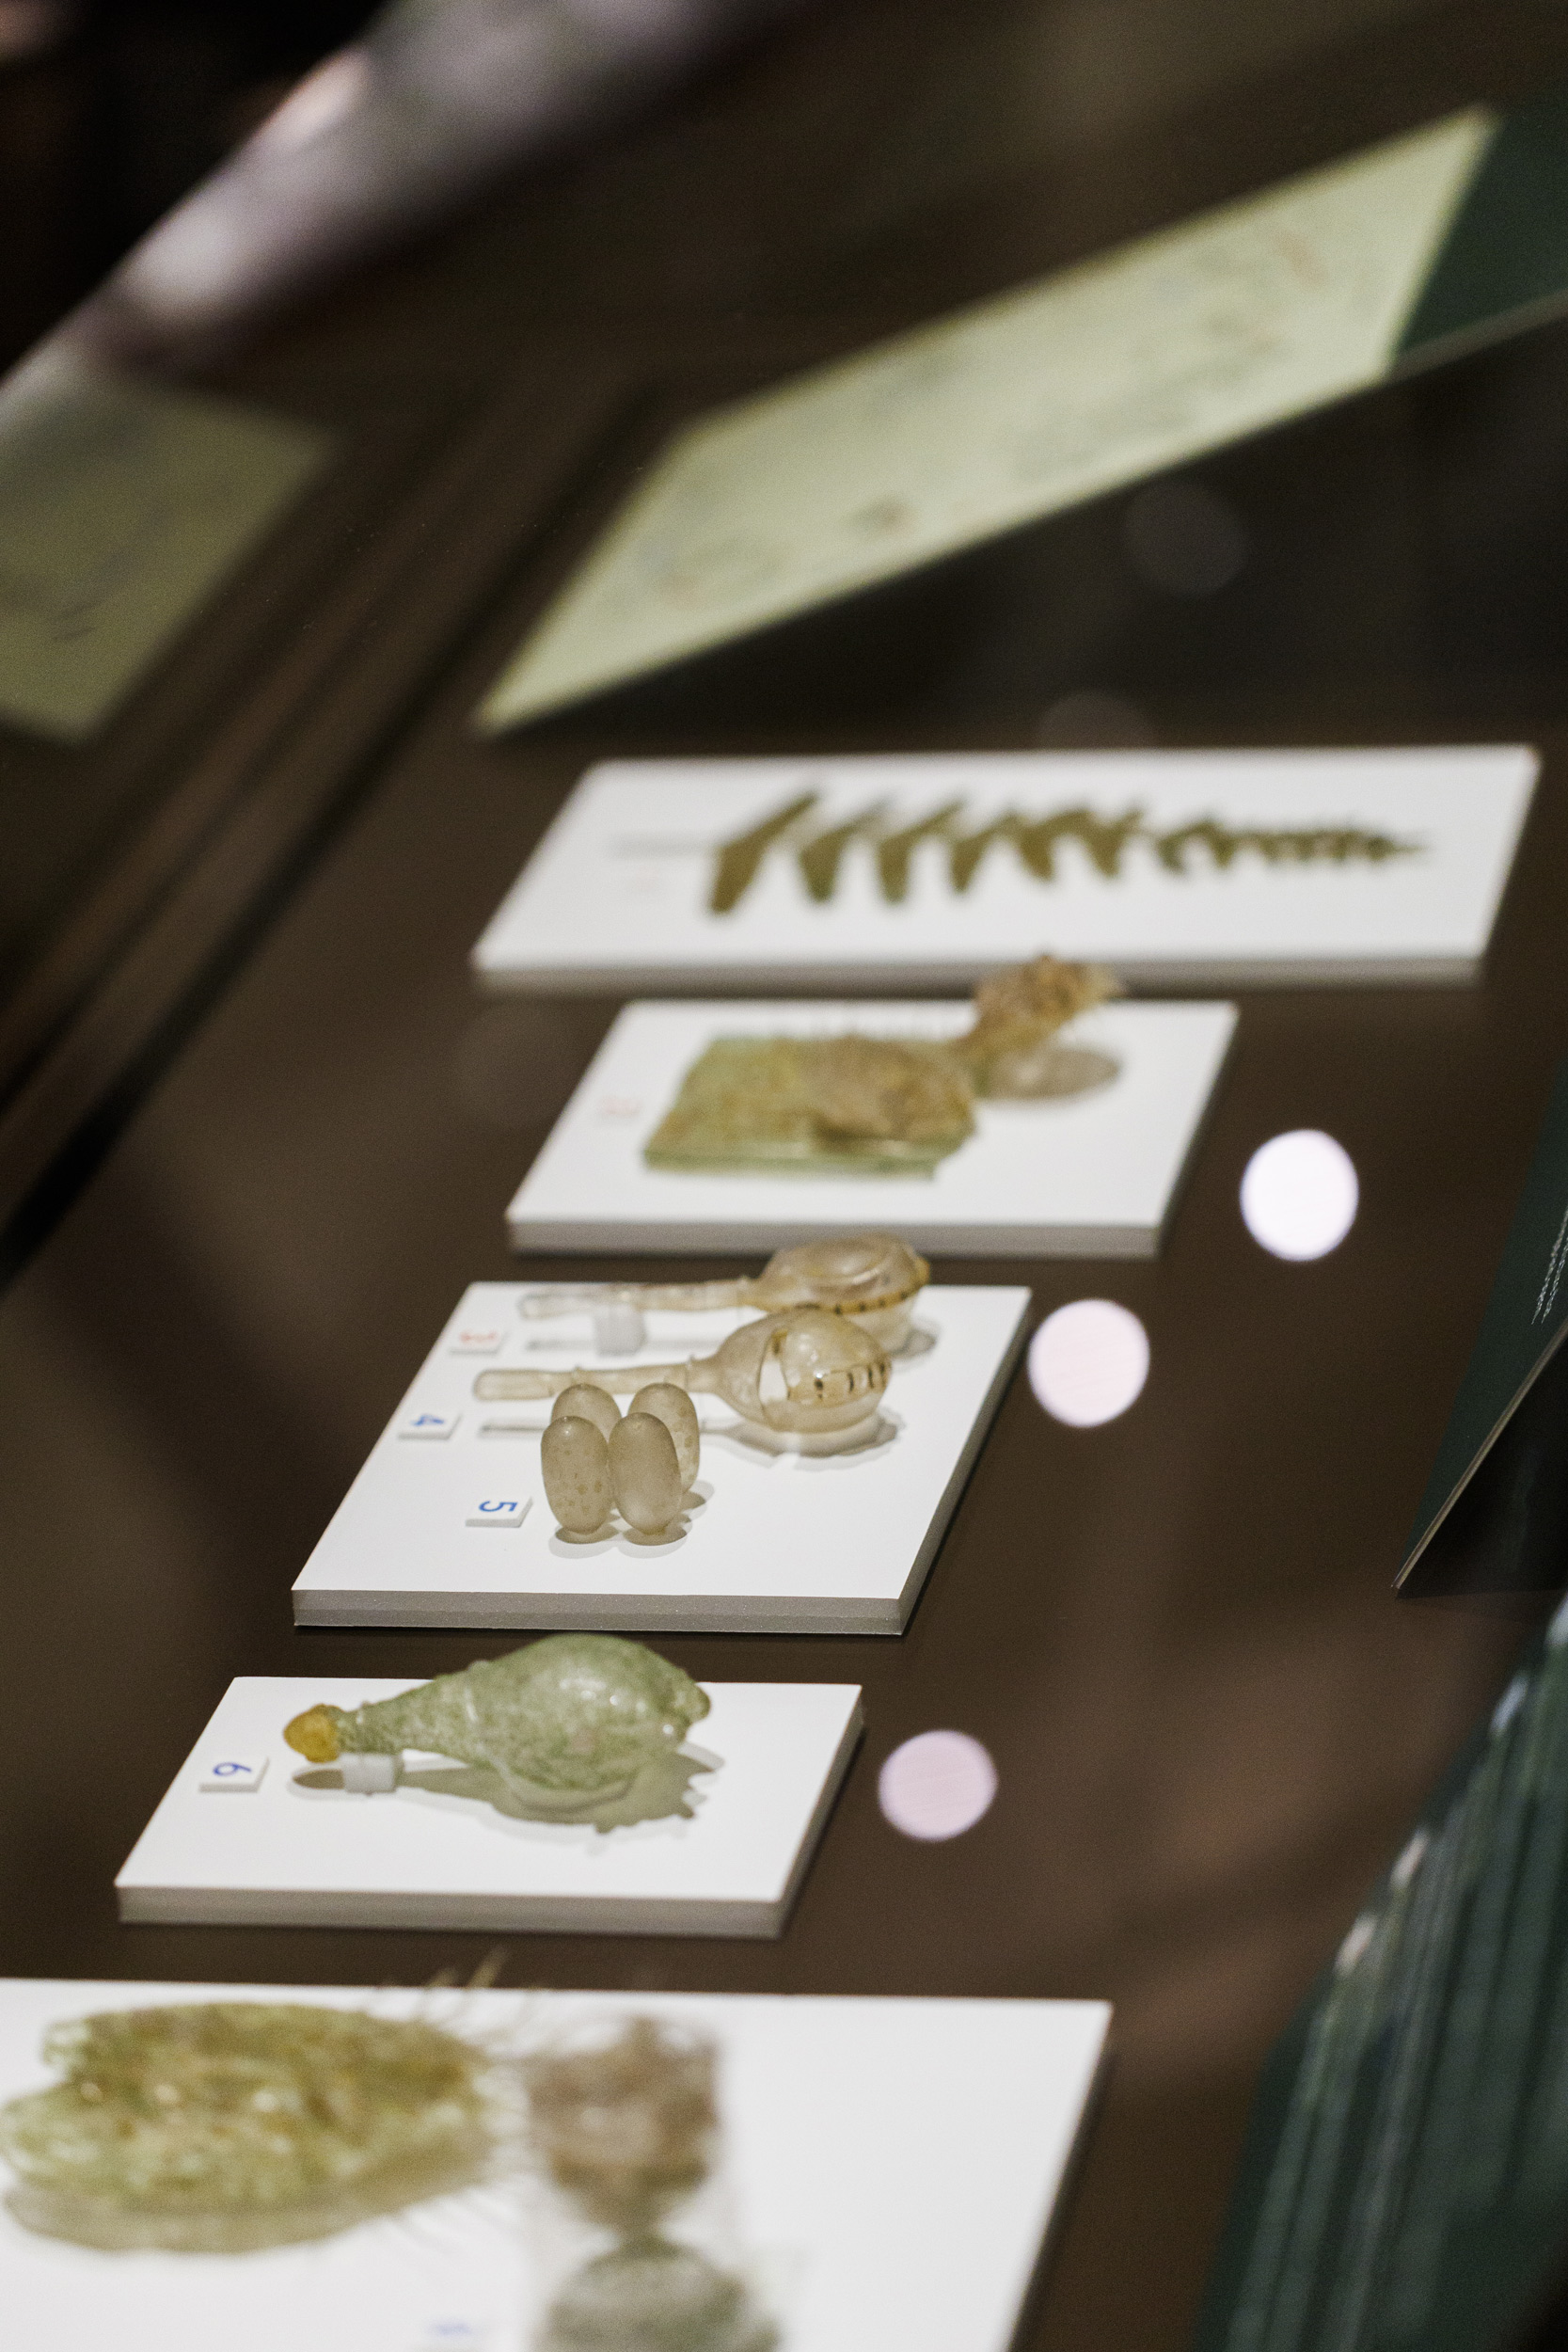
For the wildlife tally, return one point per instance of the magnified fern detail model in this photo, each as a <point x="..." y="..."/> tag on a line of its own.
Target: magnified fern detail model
<point x="1201" y="843"/>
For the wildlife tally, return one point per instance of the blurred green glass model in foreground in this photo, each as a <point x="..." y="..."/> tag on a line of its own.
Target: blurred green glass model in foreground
<point x="231" y="2127"/>
<point x="222" y="2127"/>
<point x="624" y="2124"/>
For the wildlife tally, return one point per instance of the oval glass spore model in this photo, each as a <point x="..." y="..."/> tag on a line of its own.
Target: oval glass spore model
<point x="646" y="1474"/>
<point x="674" y="1408"/>
<point x="575" y="1461"/>
<point x="223" y="2127"/>
<point x="569" y="1721"/>
<point x="588" y="1403"/>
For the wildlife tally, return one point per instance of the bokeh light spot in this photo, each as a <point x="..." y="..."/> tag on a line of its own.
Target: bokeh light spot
<point x="1089" y="720"/>
<point x="325" y="98"/>
<point x="937" y="1784"/>
<point x="1088" y="1362"/>
<point x="28" y="27"/>
<point x="1185" y="538"/>
<point x="1300" y="1194"/>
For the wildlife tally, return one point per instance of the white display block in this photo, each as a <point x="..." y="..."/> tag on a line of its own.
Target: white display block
<point x="619" y="896"/>
<point x="893" y="2166"/>
<point x="764" y="1766"/>
<point x="1092" y="1175"/>
<point x="773" y="1543"/>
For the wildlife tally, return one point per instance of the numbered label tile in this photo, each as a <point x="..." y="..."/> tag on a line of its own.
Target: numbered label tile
<point x="426" y="1422"/>
<point x="499" y="1511"/>
<point x="480" y="1339"/>
<point x="234" y="1771"/>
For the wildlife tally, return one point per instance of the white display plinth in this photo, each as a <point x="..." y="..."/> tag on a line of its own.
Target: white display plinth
<point x="893" y="2168"/>
<point x="1092" y="1176"/>
<point x="457" y="1531"/>
<point x="760" y="1774"/>
<point x="1187" y="870"/>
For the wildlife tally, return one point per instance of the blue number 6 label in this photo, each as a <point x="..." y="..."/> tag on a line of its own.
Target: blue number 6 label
<point x="235" y="1772"/>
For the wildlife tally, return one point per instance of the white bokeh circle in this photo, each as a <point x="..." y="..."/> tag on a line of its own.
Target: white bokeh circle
<point x="937" y="1784"/>
<point x="1088" y="1361"/>
<point x="335" y="90"/>
<point x="1300" y="1194"/>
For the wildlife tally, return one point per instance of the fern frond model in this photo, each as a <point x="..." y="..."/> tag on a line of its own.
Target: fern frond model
<point x="1035" y="841"/>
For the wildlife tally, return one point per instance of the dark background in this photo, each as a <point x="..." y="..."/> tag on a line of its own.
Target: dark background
<point x="109" y="120"/>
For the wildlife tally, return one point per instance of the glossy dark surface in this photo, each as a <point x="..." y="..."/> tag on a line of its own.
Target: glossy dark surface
<point x="271" y="1131"/>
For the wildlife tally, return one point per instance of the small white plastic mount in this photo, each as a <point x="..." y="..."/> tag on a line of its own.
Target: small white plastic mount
<point x="369" y="1776"/>
<point x="619" y="1330"/>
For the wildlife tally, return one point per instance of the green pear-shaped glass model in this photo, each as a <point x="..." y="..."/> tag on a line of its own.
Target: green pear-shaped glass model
<point x="572" y="1718"/>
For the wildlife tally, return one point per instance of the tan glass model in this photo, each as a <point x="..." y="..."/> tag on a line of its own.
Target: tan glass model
<point x="594" y="1461"/>
<point x="870" y="1278"/>
<point x="623" y="2124"/>
<point x="806" y="1373"/>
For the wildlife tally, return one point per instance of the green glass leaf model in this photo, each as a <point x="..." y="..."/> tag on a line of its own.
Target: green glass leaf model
<point x="842" y="1106"/>
<point x="859" y="1105"/>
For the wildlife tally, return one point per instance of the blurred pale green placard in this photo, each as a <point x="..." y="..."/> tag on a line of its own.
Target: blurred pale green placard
<point x="122" y="507"/>
<point x="1004" y="413"/>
